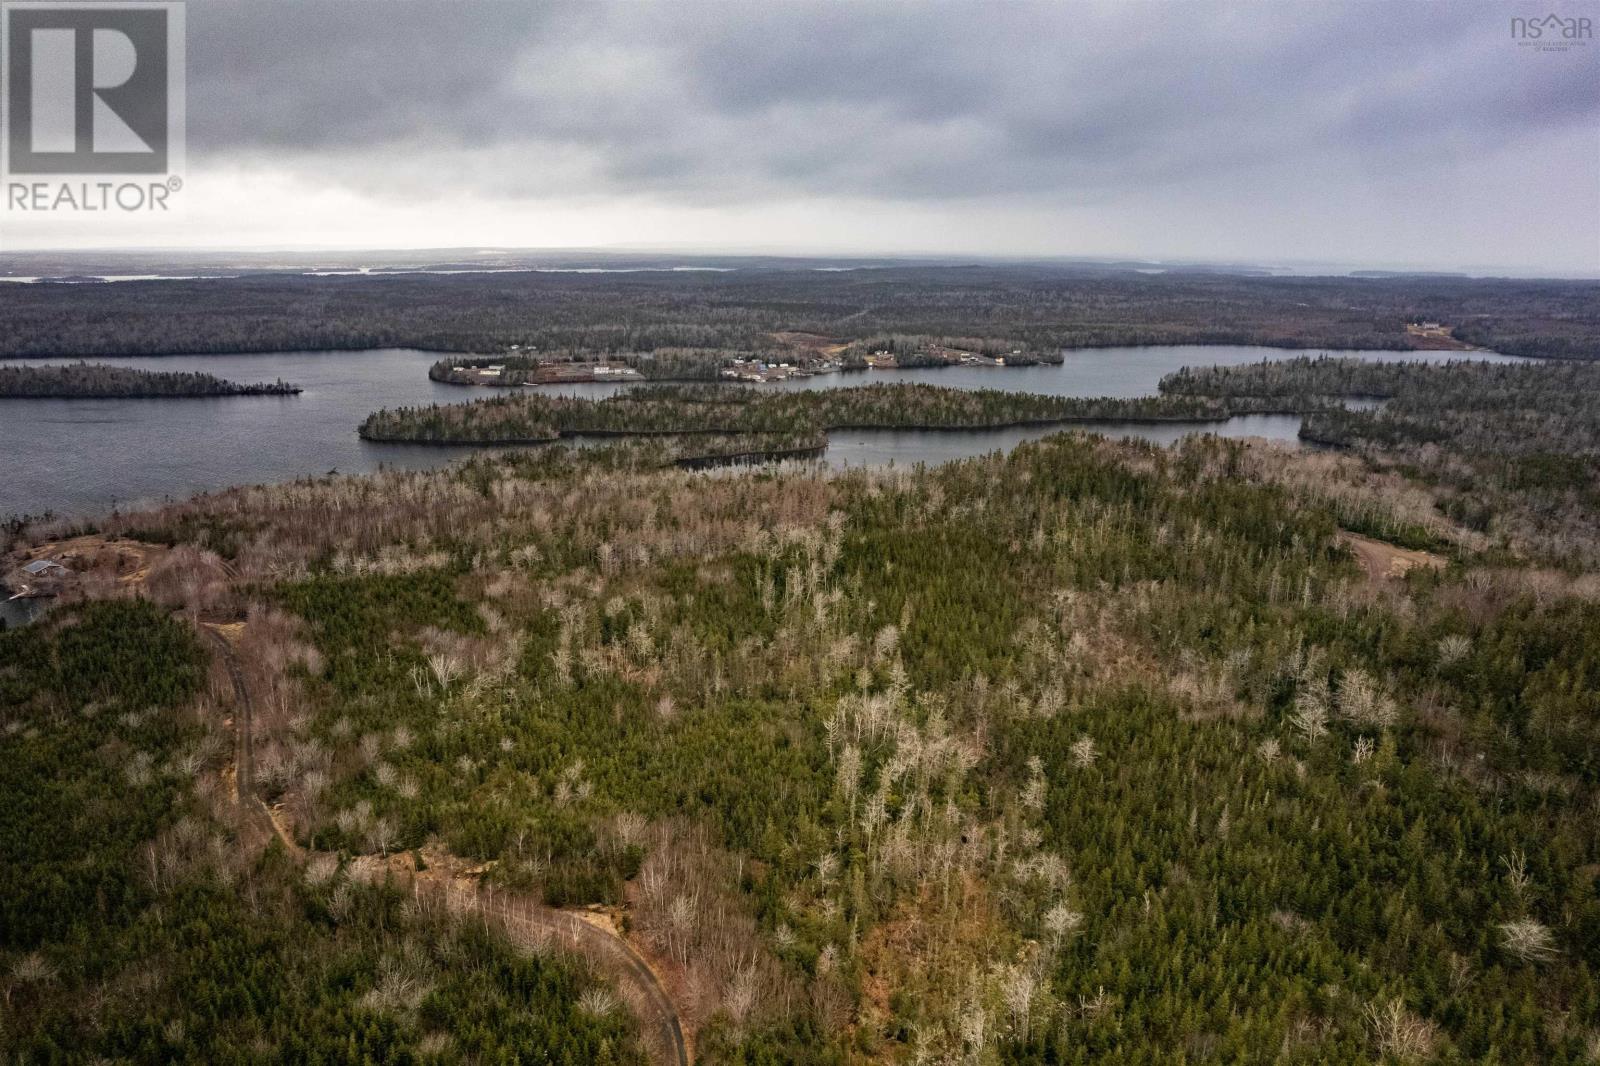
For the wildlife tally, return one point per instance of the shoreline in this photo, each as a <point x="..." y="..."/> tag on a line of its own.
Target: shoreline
<point x="243" y="393"/>
<point x="987" y="427"/>
<point x="291" y="349"/>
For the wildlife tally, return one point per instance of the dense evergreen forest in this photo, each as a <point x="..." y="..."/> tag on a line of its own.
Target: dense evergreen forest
<point x="100" y="381"/>
<point x="1095" y="752"/>
<point x="668" y="409"/>
<point x="1512" y="449"/>
<point x="136" y="926"/>
<point x="1038" y="308"/>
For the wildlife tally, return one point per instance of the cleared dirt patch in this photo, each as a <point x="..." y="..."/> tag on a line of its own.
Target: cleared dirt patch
<point x="811" y="342"/>
<point x="1436" y="338"/>
<point x="1386" y="562"/>
<point x="129" y="560"/>
<point x="928" y="950"/>
<point x="101" y="561"/>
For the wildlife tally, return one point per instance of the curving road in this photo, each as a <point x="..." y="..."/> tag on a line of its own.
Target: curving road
<point x="541" y="927"/>
<point x="524" y="920"/>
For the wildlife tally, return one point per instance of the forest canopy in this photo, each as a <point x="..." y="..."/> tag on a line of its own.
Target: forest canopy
<point x="1039" y="308"/>
<point x="690" y="409"/>
<point x="1092" y="752"/>
<point x="136" y="926"/>
<point x="1514" y="449"/>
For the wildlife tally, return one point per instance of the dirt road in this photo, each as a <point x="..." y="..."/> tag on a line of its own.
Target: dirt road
<point x="544" y="928"/>
<point x="524" y="920"/>
<point x="1385" y="562"/>
<point x="255" y="819"/>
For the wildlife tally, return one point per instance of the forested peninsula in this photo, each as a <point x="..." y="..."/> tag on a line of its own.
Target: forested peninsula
<point x="99" y="381"/>
<point x="662" y="410"/>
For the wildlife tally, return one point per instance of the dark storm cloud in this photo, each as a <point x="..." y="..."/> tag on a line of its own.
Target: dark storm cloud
<point x="723" y="104"/>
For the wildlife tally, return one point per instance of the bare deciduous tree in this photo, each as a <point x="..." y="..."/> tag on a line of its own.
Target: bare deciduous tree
<point x="1528" y="940"/>
<point x="1400" y="1034"/>
<point x="1084" y="752"/>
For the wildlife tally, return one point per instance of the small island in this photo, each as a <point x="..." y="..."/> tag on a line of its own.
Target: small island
<point x="96" y="381"/>
<point x="723" y="409"/>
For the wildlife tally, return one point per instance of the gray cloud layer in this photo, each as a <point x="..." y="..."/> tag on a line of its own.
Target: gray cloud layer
<point x="714" y="101"/>
<point x="1376" y="111"/>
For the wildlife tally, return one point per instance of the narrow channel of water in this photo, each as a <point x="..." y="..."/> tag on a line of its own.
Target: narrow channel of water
<point x="83" y="457"/>
<point x="880" y="447"/>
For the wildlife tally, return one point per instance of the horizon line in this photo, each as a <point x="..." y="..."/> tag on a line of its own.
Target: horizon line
<point x="1304" y="266"/>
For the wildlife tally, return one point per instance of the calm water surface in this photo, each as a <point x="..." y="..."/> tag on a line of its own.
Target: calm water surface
<point x="81" y="457"/>
<point x="20" y="612"/>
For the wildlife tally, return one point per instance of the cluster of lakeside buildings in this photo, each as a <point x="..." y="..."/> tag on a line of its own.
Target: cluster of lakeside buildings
<point x="883" y="359"/>
<point x="760" y="370"/>
<point x="552" y="373"/>
<point x="522" y="368"/>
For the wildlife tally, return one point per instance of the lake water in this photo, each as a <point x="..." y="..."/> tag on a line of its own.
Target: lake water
<point x="20" y="612"/>
<point x="82" y="457"/>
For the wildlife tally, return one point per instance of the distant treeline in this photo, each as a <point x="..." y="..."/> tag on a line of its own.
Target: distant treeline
<point x="648" y="411"/>
<point x="98" y="381"/>
<point x="1040" y="308"/>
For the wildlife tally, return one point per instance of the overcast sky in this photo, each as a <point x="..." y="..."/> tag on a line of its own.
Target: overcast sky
<point x="1378" y="134"/>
